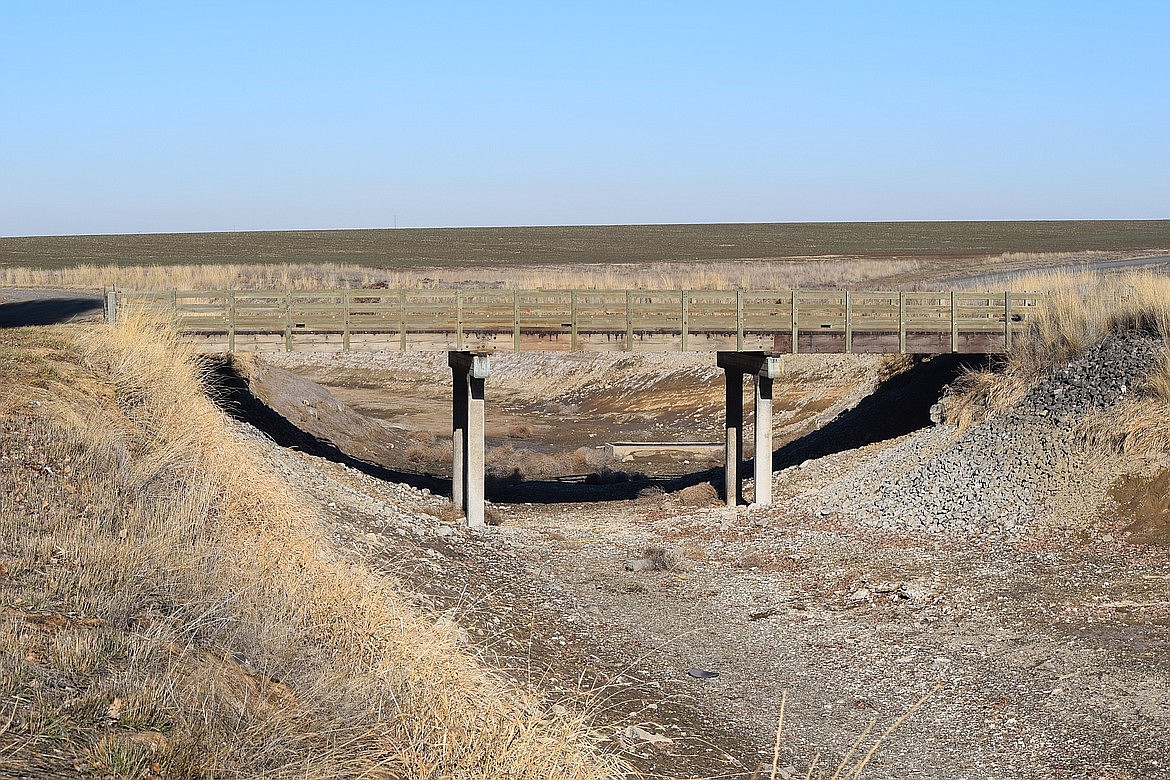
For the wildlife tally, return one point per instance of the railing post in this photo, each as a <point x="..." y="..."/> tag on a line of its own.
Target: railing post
<point x="686" y="299"/>
<point x="402" y="320"/>
<point x="739" y="320"/>
<point x="629" y="321"/>
<point x="1007" y="321"/>
<point x="795" y="325"/>
<point x="516" y="320"/>
<point x="954" y="323"/>
<point x="288" y="321"/>
<point x="174" y="306"/>
<point x="848" y="321"/>
<point x="458" y="319"/>
<point x="112" y="307"/>
<point x="572" y="320"/>
<point x="231" y="319"/>
<point x="345" y="302"/>
<point x="902" y="323"/>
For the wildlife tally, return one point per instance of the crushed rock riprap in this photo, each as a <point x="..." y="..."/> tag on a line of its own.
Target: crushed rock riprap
<point x="1009" y="470"/>
<point x="1104" y="375"/>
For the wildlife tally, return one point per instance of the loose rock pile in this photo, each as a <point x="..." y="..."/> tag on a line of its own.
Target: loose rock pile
<point x="1097" y="380"/>
<point x="1004" y="472"/>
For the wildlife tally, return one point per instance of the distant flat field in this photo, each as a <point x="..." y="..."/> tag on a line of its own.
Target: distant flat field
<point x="415" y="248"/>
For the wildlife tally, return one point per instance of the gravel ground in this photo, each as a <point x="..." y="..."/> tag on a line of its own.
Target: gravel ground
<point x="1006" y="472"/>
<point x="880" y="573"/>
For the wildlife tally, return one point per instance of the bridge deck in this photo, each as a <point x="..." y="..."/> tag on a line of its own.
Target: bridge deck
<point x="823" y="321"/>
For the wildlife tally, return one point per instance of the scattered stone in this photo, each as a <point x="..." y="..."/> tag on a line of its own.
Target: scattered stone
<point x="640" y="734"/>
<point x="640" y="564"/>
<point x="917" y="591"/>
<point x="938" y="414"/>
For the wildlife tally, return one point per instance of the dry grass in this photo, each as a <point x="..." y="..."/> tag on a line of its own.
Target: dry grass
<point x="170" y="608"/>
<point x="710" y="275"/>
<point x="855" y="761"/>
<point x="1079" y="311"/>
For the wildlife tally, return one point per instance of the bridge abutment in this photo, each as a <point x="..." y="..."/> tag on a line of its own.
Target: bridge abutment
<point x="469" y="372"/>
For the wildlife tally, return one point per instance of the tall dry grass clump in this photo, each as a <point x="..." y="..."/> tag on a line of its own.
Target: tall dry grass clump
<point x="1079" y="310"/>
<point x="171" y="608"/>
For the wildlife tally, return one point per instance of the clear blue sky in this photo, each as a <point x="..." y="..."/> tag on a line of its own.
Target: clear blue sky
<point x="161" y="116"/>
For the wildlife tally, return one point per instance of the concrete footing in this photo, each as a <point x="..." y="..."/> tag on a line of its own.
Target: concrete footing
<point x="469" y="370"/>
<point x="763" y="368"/>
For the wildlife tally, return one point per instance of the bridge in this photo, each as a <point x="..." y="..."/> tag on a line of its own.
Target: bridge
<point x="787" y="321"/>
<point x="749" y="330"/>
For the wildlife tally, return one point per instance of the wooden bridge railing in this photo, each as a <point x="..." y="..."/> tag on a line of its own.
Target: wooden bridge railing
<point x="630" y="320"/>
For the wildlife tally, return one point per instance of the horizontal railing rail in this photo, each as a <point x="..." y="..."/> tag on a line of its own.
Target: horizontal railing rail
<point x="697" y="320"/>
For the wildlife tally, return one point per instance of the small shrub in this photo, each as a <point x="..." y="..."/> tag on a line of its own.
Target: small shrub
<point x="607" y="476"/>
<point x="663" y="558"/>
<point x="702" y="494"/>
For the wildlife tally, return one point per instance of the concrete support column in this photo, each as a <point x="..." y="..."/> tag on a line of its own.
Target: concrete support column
<point x="763" y="439"/>
<point x="764" y="368"/>
<point x="460" y="396"/>
<point x="473" y="455"/>
<point x="733" y="438"/>
<point x="468" y="374"/>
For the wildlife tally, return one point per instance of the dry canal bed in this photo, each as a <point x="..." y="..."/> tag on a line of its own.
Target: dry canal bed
<point x="1050" y="646"/>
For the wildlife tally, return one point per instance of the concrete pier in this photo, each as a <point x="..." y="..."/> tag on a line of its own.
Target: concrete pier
<point x="469" y="370"/>
<point x="763" y="368"/>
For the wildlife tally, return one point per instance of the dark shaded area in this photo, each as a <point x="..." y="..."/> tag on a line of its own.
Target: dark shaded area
<point x="232" y="394"/>
<point x="47" y="311"/>
<point x="900" y="405"/>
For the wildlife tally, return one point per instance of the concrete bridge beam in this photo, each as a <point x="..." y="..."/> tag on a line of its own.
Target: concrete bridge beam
<point x="469" y="372"/>
<point x="763" y="368"/>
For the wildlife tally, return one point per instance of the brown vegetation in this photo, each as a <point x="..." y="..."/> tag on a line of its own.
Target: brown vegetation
<point x="711" y="275"/>
<point x="1080" y="311"/>
<point x="170" y="608"/>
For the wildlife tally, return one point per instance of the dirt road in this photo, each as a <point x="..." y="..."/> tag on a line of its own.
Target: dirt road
<point x="46" y="306"/>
